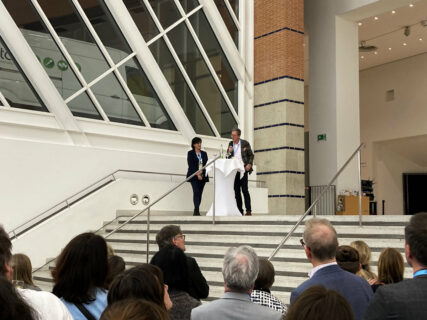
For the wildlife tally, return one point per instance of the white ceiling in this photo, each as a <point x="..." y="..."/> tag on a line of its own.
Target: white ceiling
<point x="388" y="32"/>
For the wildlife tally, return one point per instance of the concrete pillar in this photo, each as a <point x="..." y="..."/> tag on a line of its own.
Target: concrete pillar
<point x="279" y="102"/>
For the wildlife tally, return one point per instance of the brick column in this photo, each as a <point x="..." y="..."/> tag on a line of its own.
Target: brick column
<point x="279" y="102"/>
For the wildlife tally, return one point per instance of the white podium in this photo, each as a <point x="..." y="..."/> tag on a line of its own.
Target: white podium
<point x="225" y="173"/>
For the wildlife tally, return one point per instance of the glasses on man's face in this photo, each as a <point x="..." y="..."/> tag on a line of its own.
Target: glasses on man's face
<point x="180" y="236"/>
<point x="302" y="242"/>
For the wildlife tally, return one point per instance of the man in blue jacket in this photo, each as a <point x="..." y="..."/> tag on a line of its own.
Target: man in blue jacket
<point x="320" y="245"/>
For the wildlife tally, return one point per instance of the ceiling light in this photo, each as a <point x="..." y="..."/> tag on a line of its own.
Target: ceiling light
<point x="375" y="18"/>
<point x="404" y="43"/>
<point x="389" y="49"/>
<point x="421" y="39"/>
<point x="360" y="24"/>
<point x="362" y="57"/>
<point x="376" y="52"/>
<point x="411" y="5"/>
<point x="393" y="12"/>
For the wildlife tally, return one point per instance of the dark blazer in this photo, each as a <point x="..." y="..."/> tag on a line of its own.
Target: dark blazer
<point x="403" y="300"/>
<point x="355" y="289"/>
<point x="198" y="287"/>
<point x="193" y="164"/>
<point x="247" y="154"/>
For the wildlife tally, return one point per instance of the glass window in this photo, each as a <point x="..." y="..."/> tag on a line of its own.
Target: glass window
<point x="199" y="74"/>
<point x="76" y="37"/>
<point x="142" y="18"/>
<point x="15" y="87"/>
<point x="228" y="20"/>
<point x="106" y="29"/>
<point x="114" y="101"/>
<point x="166" y="11"/>
<point x="145" y="95"/>
<point x="178" y="85"/>
<point x="216" y="55"/>
<point x="189" y="5"/>
<point x="82" y="106"/>
<point x="235" y="5"/>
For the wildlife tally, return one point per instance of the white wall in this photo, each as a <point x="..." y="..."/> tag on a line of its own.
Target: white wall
<point x="381" y="121"/>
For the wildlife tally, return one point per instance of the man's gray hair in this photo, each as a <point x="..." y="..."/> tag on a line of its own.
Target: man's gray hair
<point x="321" y="238"/>
<point x="240" y="268"/>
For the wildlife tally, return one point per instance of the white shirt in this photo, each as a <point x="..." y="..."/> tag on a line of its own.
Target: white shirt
<point x="314" y="270"/>
<point x="237" y="150"/>
<point x="46" y="304"/>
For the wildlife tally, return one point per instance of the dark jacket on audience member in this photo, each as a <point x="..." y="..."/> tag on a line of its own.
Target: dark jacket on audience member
<point x="403" y="300"/>
<point x="198" y="287"/>
<point x="183" y="303"/>
<point x="356" y="290"/>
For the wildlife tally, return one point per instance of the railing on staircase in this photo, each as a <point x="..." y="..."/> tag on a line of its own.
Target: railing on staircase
<point x="325" y="189"/>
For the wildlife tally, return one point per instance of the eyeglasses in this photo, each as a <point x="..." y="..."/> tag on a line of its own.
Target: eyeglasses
<point x="180" y="236"/>
<point x="302" y="242"/>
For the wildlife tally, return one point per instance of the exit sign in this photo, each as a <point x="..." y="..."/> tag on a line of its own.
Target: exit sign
<point x="321" y="137"/>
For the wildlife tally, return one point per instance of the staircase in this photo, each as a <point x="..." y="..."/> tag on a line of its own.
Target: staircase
<point x="207" y="243"/>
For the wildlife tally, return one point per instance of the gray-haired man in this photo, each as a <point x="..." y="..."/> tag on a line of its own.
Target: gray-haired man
<point x="240" y="270"/>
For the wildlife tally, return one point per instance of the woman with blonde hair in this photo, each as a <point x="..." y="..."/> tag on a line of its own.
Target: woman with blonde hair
<point x="22" y="271"/>
<point x="365" y="259"/>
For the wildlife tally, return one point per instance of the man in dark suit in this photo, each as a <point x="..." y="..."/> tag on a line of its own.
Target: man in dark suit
<point x="406" y="299"/>
<point x="241" y="149"/>
<point x="198" y="288"/>
<point x="320" y="245"/>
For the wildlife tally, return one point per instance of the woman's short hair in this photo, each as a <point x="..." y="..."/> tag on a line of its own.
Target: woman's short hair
<point x="365" y="259"/>
<point x="134" y="309"/>
<point x="12" y="304"/>
<point x="194" y="141"/>
<point x="348" y="259"/>
<point x="319" y="303"/>
<point x="173" y="262"/>
<point x="116" y="266"/>
<point x="266" y="274"/>
<point x="144" y="281"/>
<point x="22" y="269"/>
<point x="390" y="266"/>
<point x="81" y="268"/>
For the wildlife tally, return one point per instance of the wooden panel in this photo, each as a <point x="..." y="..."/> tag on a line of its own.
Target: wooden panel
<point x="350" y="205"/>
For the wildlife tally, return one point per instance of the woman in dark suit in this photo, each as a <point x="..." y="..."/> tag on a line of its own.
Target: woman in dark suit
<point x="196" y="159"/>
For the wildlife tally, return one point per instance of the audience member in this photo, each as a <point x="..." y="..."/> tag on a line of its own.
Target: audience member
<point x="320" y="245"/>
<point x="144" y="281"/>
<point x="406" y="299"/>
<point x="44" y="304"/>
<point x="22" y="271"/>
<point x="12" y="305"/>
<point x="319" y="303"/>
<point x="134" y="309"/>
<point x="198" y="287"/>
<point x="348" y="259"/>
<point x="365" y="260"/>
<point x="240" y="270"/>
<point x="390" y="268"/>
<point x="173" y="262"/>
<point x="79" y="276"/>
<point x="116" y="266"/>
<point x="263" y="283"/>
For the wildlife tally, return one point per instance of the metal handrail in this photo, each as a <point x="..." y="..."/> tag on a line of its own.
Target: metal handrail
<point x="285" y="238"/>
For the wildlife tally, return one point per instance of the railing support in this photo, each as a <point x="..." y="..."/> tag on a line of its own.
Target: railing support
<point x="148" y="235"/>
<point x="360" y="187"/>
<point x="214" y="195"/>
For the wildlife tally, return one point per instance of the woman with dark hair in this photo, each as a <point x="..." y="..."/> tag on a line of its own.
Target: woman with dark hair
<point x="12" y="306"/>
<point x="263" y="283"/>
<point x="390" y="268"/>
<point x="79" y="276"/>
<point x="319" y="303"/>
<point x="135" y="309"/>
<point x="141" y="282"/>
<point x="196" y="159"/>
<point x="22" y="271"/>
<point x="173" y="262"/>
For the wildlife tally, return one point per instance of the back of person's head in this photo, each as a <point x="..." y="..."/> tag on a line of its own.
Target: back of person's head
<point x="348" y="259"/>
<point x="165" y="236"/>
<point x="266" y="273"/>
<point x="173" y="262"/>
<point x="321" y="238"/>
<point x="319" y="303"/>
<point x="134" y="309"/>
<point x="240" y="268"/>
<point x="116" y="266"/>
<point x="365" y="259"/>
<point x="22" y="269"/>
<point x="12" y="306"/>
<point x="5" y="251"/>
<point x="141" y="282"/>
<point x="416" y="237"/>
<point x="81" y="268"/>
<point x="390" y="266"/>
